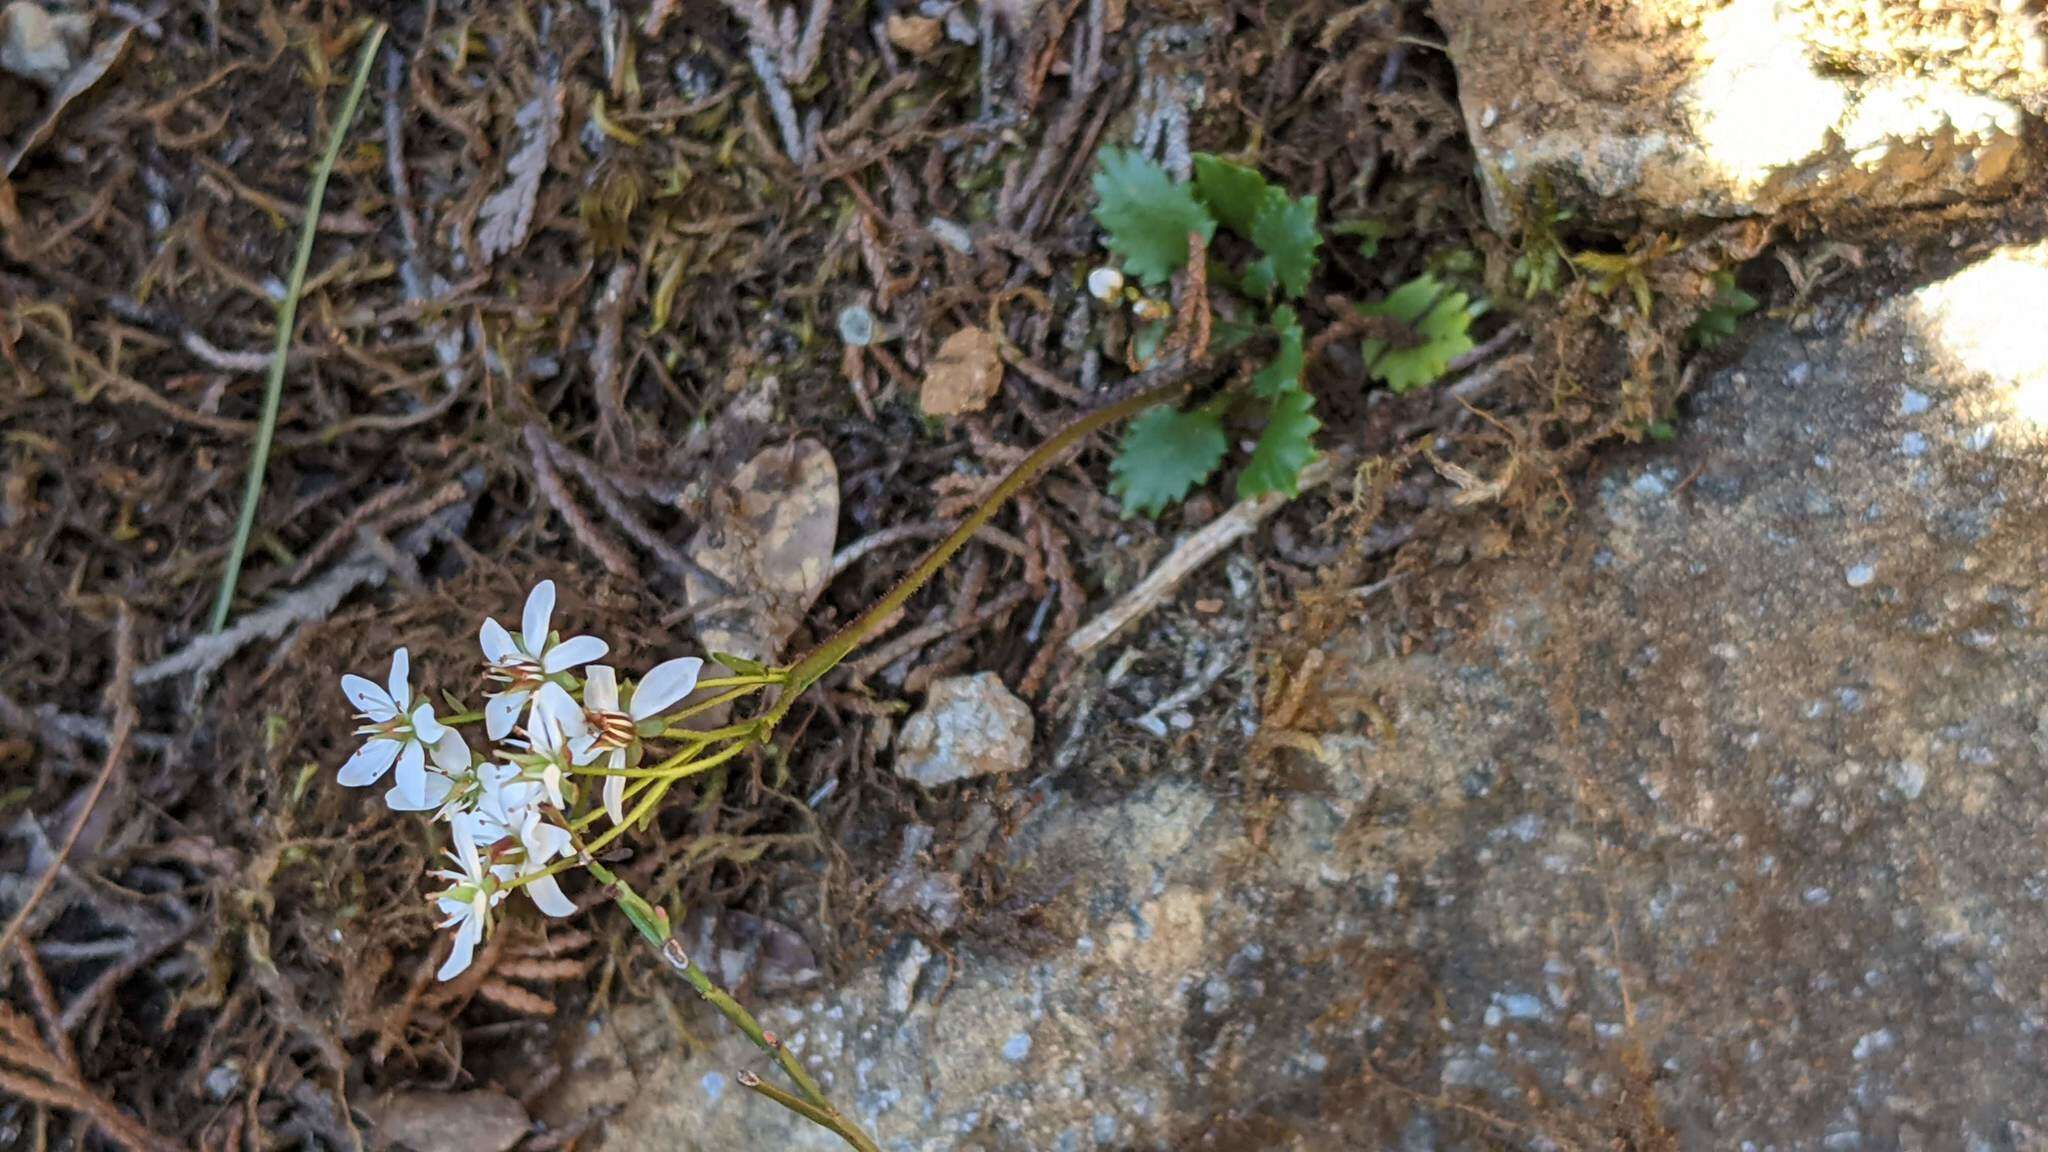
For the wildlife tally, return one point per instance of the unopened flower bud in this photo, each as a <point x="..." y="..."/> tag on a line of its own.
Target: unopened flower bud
<point x="1105" y="283"/>
<point x="1148" y="309"/>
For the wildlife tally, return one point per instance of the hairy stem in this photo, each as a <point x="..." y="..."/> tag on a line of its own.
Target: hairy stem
<point x="822" y="659"/>
<point x="653" y="927"/>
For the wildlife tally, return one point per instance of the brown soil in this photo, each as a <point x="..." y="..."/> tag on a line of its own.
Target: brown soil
<point x="239" y="948"/>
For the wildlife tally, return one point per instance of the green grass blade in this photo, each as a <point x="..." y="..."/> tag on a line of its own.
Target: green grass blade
<point x="287" y="316"/>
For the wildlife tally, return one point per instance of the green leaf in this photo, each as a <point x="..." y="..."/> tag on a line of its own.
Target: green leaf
<point x="1285" y="230"/>
<point x="1233" y="192"/>
<point x="1368" y="230"/>
<point x="1257" y="281"/>
<point x="1728" y="305"/>
<point x="1284" y="371"/>
<point x="1146" y="340"/>
<point x="1165" y="453"/>
<point x="1285" y="447"/>
<point x="1440" y="320"/>
<point x="1147" y="215"/>
<point x="1230" y="335"/>
<point x="740" y="665"/>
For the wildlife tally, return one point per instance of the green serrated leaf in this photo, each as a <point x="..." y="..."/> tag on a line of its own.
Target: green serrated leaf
<point x="1257" y="281"/>
<point x="1233" y="192"/>
<point x="1285" y="230"/>
<point x="1164" y="454"/>
<point x="1440" y="320"/>
<point x="1285" y="447"/>
<point x="1284" y="371"/>
<point x="1146" y="214"/>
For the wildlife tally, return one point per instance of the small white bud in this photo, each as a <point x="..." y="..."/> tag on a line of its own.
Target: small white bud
<point x="1105" y="283"/>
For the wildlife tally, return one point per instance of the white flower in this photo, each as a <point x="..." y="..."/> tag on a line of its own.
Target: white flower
<point x="524" y="662"/>
<point x="468" y="900"/>
<point x="555" y="733"/>
<point x="539" y="842"/>
<point x="404" y="734"/>
<point x="1105" y="284"/>
<point x="508" y="809"/>
<point x="613" y="731"/>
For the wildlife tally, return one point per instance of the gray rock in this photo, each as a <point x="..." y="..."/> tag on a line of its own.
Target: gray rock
<point x="1727" y="108"/>
<point x="479" y="1121"/>
<point x="38" y="45"/>
<point x="1682" y="843"/>
<point x="969" y="726"/>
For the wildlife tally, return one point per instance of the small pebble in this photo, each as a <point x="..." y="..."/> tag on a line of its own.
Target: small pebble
<point x="856" y="326"/>
<point x="1859" y="575"/>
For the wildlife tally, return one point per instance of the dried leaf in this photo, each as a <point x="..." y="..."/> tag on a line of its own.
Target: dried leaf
<point x="543" y="971"/>
<point x="769" y="539"/>
<point x="964" y="376"/>
<point x="81" y="78"/>
<point x="513" y="998"/>
<point x="504" y="219"/>
<point x="916" y="35"/>
<point x="1471" y="489"/>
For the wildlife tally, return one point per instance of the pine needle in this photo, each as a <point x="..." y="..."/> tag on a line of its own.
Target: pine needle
<point x="287" y="315"/>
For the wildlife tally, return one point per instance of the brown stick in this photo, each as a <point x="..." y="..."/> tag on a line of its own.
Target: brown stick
<point x="606" y="550"/>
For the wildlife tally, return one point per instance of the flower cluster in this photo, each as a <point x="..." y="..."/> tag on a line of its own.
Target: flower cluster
<point x="555" y="719"/>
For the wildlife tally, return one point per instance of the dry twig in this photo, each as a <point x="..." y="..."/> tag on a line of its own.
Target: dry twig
<point x="1191" y="553"/>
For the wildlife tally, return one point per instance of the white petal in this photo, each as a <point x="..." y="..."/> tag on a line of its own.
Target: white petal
<point x="450" y="752"/>
<point x="369" y="698"/>
<point x="533" y="626"/>
<point x="665" y="684"/>
<point x="496" y="642"/>
<point x="558" y="713"/>
<point x="425" y="726"/>
<point x="573" y="651"/>
<point x="547" y="896"/>
<point x="615" y="798"/>
<point x="371" y="761"/>
<point x="401" y="686"/>
<point x="437" y="788"/>
<point x="466" y="938"/>
<point x="501" y="713"/>
<point x="600" y="688"/>
<point x="411" y="780"/>
<point x="470" y="830"/>
<point x="543" y="841"/>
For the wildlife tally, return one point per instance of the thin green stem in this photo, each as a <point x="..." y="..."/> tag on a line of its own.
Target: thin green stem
<point x="287" y="316"/>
